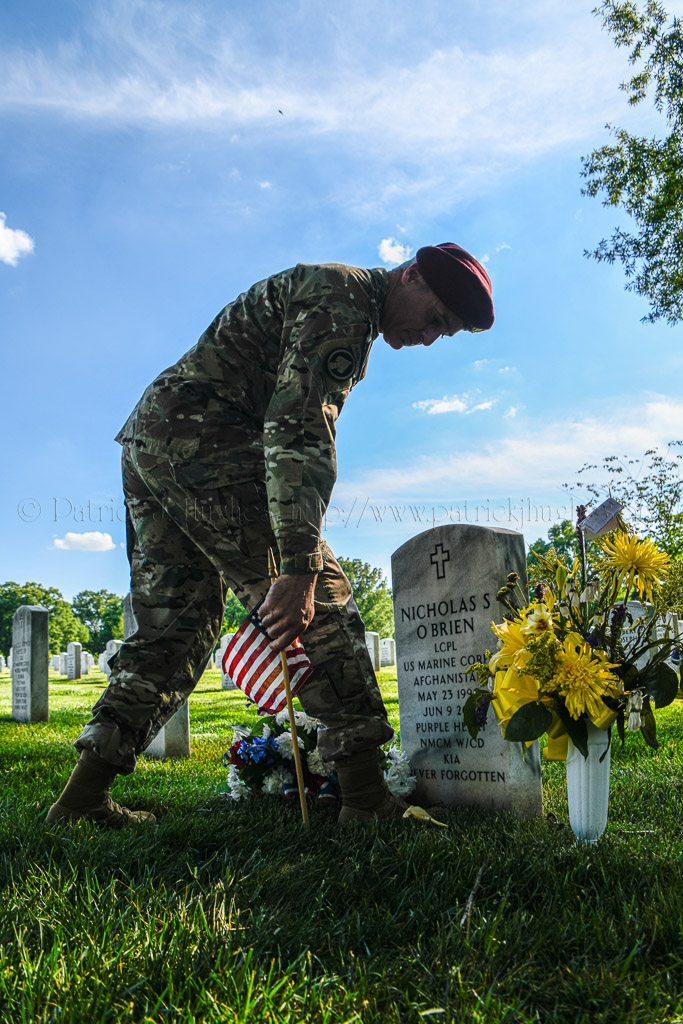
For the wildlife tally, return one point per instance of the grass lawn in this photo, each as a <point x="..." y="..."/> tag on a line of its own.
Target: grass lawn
<point x="228" y="912"/>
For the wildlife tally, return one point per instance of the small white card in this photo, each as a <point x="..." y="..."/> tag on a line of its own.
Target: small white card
<point x="602" y="519"/>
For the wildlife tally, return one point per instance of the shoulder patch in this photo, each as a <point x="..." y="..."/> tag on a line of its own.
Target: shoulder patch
<point x="341" y="364"/>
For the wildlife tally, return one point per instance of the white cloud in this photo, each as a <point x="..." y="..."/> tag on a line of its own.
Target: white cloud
<point x="431" y="128"/>
<point x="511" y="412"/>
<point x="94" y="541"/>
<point x="392" y="252"/>
<point x="14" y="243"/>
<point x="536" y="454"/>
<point x="507" y="369"/>
<point x="264" y="184"/>
<point x="499" y="248"/>
<point x="453" y="403"/>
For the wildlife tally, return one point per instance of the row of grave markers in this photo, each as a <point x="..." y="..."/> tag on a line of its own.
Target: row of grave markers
<point x="445" y="583"/>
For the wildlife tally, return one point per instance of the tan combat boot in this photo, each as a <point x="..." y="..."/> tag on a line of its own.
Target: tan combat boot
<point x="364" y="791"/>
<point x="87" y="795"/>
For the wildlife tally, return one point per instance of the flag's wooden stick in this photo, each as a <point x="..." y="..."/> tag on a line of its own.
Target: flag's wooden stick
<point x="290" y="709"/>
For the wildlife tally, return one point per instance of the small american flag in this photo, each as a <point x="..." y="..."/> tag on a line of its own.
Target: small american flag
<point x="257" y="669"/>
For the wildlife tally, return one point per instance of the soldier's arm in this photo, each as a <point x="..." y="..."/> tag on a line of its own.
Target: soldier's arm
<point x="299" y="433"/>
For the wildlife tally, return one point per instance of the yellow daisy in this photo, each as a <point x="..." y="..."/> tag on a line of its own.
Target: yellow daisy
<point x="634" y="561"/>
<point x="583" y="677"/>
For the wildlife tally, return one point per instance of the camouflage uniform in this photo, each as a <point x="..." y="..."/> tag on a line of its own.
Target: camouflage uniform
<point x="230" y="452"/>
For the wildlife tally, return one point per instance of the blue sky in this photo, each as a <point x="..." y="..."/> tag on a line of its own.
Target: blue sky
<point x="147" y="176"/>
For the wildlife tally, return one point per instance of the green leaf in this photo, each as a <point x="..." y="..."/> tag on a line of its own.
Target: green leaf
<point x="576" y="728"/>
<point x="530" y="722"/>
<point x="662" y="684"/>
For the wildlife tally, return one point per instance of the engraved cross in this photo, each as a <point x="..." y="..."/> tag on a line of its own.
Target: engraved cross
<point x="439" y="557"/>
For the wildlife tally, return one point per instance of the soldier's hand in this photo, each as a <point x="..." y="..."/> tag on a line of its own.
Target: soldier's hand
<point x="288" y="608"/>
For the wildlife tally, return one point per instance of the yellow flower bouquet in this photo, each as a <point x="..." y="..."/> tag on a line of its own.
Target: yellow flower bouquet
<point x="585" y="647"/>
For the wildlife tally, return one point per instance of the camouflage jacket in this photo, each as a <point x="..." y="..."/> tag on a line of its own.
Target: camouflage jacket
<point x="261" y="390"/>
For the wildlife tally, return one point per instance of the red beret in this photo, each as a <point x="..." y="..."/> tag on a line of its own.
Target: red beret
<point x="459" y="281"/>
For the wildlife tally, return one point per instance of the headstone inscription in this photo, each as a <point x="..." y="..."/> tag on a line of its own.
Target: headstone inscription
<point x="30" y="701"/>
<point x="372" y="644"/>
<point x="445" y="583"/>
<point x="226" y="681"/>
<point x="73" y="660"/>
<point x="173" y="740"/>
<point x="387" y="651"/>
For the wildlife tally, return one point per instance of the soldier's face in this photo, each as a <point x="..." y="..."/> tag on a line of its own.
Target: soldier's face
<point x="414" y="315"/>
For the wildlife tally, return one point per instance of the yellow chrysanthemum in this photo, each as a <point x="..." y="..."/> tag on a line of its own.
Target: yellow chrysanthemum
<point x="635" y="562"/>
<point x="583" y="677"/>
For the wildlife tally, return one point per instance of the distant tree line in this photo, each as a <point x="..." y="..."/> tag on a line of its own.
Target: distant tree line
<point x="96" y="616"/>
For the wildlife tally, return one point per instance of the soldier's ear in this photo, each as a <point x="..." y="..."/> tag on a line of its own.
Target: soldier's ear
<point x="411" y="275"/>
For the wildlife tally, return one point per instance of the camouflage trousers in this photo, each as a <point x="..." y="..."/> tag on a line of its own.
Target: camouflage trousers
<point x="191" y="535"/>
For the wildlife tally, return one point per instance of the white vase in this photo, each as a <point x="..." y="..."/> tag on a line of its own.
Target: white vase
<point x="588" y="786"/>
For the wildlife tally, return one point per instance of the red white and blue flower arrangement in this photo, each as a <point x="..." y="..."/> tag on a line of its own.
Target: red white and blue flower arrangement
<point x="261" y="760"/>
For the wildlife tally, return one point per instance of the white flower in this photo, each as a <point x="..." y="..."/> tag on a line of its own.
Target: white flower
<point x="266" y="732"/>
<point x="317" y="766"/>
<point x="285" y="745"/>
<point x="635" y="706"/>
<point x="397" y="774"/>
<point x="537" y="621"/>
<point x="301" y="720"/>
<point x="238" y="789"/>
<point x="240" y="732"/>
<point x="273" y="783"/>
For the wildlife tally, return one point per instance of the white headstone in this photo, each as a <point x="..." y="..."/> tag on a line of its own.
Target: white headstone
<point x="129" y="622"/>
<point x="387" y="651"/>
<point x="109" y="651"/>
<point x="54" y="662"/>
<point x="445" y="583"/>
<point x="9" y="661"/>
<point x="73" y="660"/>
<point x="85" y="667"/>
<point x="91" y="660"/>
<point x="3" y="663"/>
<point x="63" y="663"/>
<point x="30" y="701"/>
<point x="173" y="739"/>
<point x="226" y="681"/>
<point x="372" y="644"/>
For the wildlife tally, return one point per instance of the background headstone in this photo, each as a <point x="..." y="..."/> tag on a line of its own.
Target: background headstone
<point x="30" y="702"/>
<point x="387" y="651"/>
<point x="445" y="583"/>
<point x="9" y="661"/>
<point x="109" y="651"/>
<point x="372" y="644"/>
<point x="3" y="663"/>
<point x="73" y="660"/>
<point x="129" y="622"/>
<point x="54" y="662"/>
<point x="85" y="667"/>
<point x="173" y="740"/>
<point x="226" y="681"/>
<point x="63" y="662"/>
